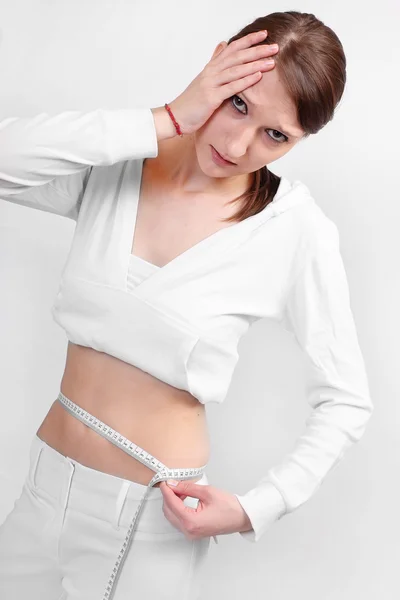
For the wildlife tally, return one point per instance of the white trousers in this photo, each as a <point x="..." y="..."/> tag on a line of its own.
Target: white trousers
<point x="64" y="533"/>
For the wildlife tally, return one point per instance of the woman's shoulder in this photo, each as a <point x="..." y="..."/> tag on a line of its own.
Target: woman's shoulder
<point x="311" y="224"/>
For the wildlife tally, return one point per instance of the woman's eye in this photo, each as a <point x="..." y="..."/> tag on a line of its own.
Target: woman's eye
<point x="242" y="104"/>
<point x="283" y="138"/>
<point x="240" y="100"/>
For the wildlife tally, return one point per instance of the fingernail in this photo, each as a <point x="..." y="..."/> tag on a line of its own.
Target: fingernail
<point x="173" y="482"/>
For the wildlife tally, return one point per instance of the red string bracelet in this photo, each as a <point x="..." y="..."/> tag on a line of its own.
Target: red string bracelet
<point x="178" y="129"/>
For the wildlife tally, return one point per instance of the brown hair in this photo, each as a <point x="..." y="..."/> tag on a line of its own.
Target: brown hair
<point x="312" y="67"/>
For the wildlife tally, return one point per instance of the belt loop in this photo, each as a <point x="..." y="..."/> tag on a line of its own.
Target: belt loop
<point x="65" y="490"/>
<point x="66" y="486"/>
<point x="123" y="492"/>
<point x="35" y="467"/>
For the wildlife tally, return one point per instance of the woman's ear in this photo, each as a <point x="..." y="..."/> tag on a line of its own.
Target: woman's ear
<point x="221" y="46"/>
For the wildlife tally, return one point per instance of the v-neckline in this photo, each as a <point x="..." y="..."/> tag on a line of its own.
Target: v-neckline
<point x="192" y="249"/>
<point x="180" y="257"/>
<point x="225" y="237"/>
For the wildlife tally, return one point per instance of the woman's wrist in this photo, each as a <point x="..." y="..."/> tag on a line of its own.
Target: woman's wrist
<point x="245" y="524"/>
<point x="164" y="125"/>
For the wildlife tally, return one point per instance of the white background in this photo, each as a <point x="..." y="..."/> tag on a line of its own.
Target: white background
<point x="344" y="543"/>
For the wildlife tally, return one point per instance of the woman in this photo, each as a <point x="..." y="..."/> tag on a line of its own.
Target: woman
<point x="176" y="252"/>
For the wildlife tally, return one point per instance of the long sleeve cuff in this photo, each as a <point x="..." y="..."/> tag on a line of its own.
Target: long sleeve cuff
<point x="264" y="505"/>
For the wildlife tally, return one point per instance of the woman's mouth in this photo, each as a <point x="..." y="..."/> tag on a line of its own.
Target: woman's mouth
<point x="218" y="159"/>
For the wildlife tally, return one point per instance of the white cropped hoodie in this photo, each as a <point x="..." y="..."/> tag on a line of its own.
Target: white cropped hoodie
<point x="184" y="321"/>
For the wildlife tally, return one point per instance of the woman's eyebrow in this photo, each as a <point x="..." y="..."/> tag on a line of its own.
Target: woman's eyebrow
<point x="282" y="129"/>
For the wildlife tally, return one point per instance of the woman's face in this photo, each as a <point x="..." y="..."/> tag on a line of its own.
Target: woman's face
<point x="252" y="129"/>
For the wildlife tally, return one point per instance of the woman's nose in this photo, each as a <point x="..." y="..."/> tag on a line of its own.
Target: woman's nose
<point x="238" y="145"/>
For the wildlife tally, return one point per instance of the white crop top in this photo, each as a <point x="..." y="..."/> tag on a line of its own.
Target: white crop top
<point x="183" y="322"/>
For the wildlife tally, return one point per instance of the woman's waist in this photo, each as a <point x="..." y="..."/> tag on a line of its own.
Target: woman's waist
<point x="166" y="422"/>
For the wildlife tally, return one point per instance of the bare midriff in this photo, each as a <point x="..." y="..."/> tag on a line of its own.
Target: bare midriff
<point x="167" y="422"/>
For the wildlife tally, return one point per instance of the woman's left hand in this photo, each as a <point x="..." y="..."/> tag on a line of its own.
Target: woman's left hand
<point x="218" y="512"/>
